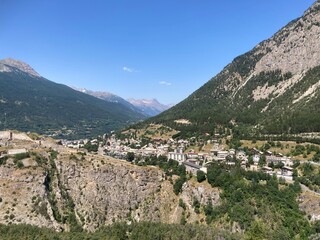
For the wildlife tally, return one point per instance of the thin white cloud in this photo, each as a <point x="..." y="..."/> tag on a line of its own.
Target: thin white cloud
<point x="130" y="70"/>
<point x="165" y="83"/>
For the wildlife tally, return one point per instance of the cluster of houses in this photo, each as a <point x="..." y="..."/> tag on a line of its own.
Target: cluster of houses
<point x="193" y="161"/>
<point x="199" y="161"/>
<point x="119" y="148"/>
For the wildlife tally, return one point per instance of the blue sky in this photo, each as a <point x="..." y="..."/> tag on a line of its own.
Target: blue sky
<point x="143" y="49"/>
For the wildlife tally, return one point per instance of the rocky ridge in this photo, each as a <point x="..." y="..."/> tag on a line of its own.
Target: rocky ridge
<point x="7" y="64"/>
<point x="294" y="49"/>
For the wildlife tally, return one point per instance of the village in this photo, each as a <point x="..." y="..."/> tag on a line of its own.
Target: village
<point x="179" y="150"/>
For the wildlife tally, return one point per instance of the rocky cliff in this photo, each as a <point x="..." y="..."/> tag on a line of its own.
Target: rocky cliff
<point x="65" y="190"/>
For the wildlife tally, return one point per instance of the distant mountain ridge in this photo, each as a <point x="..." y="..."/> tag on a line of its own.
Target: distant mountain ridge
<point x="107" y="96"/>
<point x="151" y="107"/>
<point x="32" y="103"/>
<point x="147" y="107"/>
<point x="274" y="88"/>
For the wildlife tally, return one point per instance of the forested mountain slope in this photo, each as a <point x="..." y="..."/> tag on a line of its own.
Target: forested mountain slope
<point x="30" y="102"/>
<point x="274" y="88"/>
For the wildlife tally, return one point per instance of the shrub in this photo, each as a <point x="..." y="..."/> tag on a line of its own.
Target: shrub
<point x="201" y="176"/>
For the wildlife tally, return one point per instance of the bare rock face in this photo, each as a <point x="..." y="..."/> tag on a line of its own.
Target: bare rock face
<point x="14" y="136"/>
<point x="294" y="49"/>
<point x="309" y="203"/>
<point x="110" y="192"/>
<point x="24" y="199"/>
<point x="69" y="192"/>
<point x="203" y="193"/>
<point x="107" y="191"/>
<point x="5" y="65"/>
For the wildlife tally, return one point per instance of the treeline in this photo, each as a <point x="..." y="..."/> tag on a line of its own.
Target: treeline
<point x="119" y="231"/>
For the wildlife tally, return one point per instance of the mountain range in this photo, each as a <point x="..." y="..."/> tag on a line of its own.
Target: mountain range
<point x="30" y="102"/>
<point x="273" y="89"/>
<point x="150" y="107"/>
<point x="147" y="107"/>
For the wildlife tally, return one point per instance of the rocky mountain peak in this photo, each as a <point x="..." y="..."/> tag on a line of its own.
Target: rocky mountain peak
<point x="314" y="8"/>
<point x="295" y="48"/>
<point x="19" y="65"/>
<point x="98" y="94"/>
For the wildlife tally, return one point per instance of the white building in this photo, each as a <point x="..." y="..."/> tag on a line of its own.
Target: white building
<point x="287" y="161"/>
<point x="177" y="155"/>
<point x="220" y="155"/>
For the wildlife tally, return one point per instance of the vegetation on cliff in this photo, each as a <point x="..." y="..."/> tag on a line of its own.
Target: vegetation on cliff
<point x="119" y="231"/>
<point x="257" y="204"/>
<point x="257" y="200"/>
